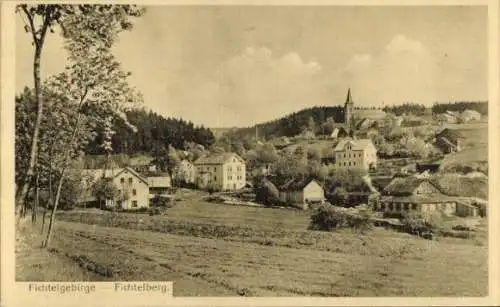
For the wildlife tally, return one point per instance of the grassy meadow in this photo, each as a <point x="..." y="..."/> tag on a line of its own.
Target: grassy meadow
<point x="212" y="249"/>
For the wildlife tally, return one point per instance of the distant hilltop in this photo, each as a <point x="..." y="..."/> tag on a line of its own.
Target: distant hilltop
<point x="346" y="116"/>
<point x="219" y="131"/>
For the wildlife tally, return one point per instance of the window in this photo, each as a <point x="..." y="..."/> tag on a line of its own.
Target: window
<point x="215" y="177"/>
<point x="229" y="168"/>
<point x="130" y="180"/>
<point x="349" y="163"/>
<point x="414" y="206"/>
<point x="215" y="168"/>
<point x="391" y="206"/>
<point x="134" y="192"/>
<point x="229" y="177"/>
<point x="122" y="180"/>
<point x="134" y="204"/>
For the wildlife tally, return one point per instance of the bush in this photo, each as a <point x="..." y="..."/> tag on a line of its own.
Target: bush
<point x="158" y="211"/>
<point x="328" y="218"/>
<point x="359" y="222"/>
<point x="415" y="223"/>
<point x="458" y="234"/>
<point x="161" y="202"/>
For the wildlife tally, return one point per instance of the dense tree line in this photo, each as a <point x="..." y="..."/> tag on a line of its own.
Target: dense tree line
<point x="154" y="134"/>
<point x="92" y="78"/>
<point x="460" y="106"/>
<point x="406" y="108"/>
<point x="293" y="124"/>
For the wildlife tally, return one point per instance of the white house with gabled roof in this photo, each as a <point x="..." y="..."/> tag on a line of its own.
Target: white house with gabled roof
<point x="222" y="171"/>
<point x="351" y="154"/>
<point x="133" y="189"/>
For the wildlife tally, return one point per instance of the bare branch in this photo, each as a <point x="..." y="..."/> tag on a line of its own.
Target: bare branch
<point x="31" y="24"/>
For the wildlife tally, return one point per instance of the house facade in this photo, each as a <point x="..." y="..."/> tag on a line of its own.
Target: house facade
<point x="356" y="154"/>
<point x="133" y="189"/>
<point x="406" y="194"/>
<point x="186" y="172"/>
<point x="299" y="193"/>
<point x="470" y="115"/>
<point x="224" y="171"/>
<point x="448" y="141"/>
<point x="159" y="185"/>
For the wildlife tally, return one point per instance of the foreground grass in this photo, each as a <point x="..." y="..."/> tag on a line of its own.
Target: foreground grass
<point x="34" y="263"/>
<point x="236" y="268"/>
<point x="378" y="242"/>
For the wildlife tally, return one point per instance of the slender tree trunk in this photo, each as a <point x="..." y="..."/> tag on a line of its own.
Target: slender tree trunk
<point x="63" y="172"/>
<point x="34" y="209"/>
<point x="50" y="199"/>
<point x="23" y="189"/>
<point x="38" y="40"/>
<point x="24" y="207"/>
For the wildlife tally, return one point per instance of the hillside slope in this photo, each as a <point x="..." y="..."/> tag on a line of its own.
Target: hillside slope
<point x="292" y="124"/>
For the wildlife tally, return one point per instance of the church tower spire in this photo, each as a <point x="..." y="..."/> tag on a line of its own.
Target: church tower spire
<point x="348" y="109"/>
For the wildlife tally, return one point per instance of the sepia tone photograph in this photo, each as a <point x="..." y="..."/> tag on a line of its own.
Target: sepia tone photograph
<point x="253" y="151"/>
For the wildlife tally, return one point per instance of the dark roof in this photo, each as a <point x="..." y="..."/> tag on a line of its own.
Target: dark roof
<point x="360" y="144"/>
<point x="404" y="185"/>
<point x="451" y="135"/>
<point x="457" y="185"/>
<point x="296" y="184"/>
<point x="218" y="158"/>
<point x="133" y="172"/>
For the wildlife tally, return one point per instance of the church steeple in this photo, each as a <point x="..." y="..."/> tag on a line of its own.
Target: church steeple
<point x="348" y="109"/>
<point x="348" y="98"/>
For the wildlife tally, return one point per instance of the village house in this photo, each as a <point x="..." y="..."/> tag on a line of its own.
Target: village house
<point x="224" y="171"/>
<point x="470" y="115"/>
<point x="186" y="172"/>
<point x="411" y="193"/>
<point x="448" y="141"/>
<point x="339" y="132"/>
<point x="301" y="192"/>
<point x="356" y="154"/>
<point x="159" y="185"/>
<point x="133" y="189"/>
<point x="465" y="209"/>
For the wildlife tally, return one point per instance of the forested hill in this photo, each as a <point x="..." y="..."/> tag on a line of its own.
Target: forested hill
<point x="294" y="123"/>
<point x="460" y="106"/>
<point x="154" y="134"/>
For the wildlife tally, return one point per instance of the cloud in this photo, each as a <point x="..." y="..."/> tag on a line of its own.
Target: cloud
<point x="403" y="71"/>
<point x="358" y="63"/>
<point x="255" y="85"/>
<point x="401" y="43"/>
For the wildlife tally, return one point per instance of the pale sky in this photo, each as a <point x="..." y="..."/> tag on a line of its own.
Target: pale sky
<point x="241" y="65"/>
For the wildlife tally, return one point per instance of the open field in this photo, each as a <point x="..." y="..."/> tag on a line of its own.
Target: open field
<point x="201" y="266"/>
<point x="212" y="249"/>
<point x="475" y="143"/>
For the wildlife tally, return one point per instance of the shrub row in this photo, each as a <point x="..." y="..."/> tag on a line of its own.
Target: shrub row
<point x="328" y="218"/>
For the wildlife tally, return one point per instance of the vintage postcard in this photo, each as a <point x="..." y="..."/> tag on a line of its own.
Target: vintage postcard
<point x="249" y="153"/>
